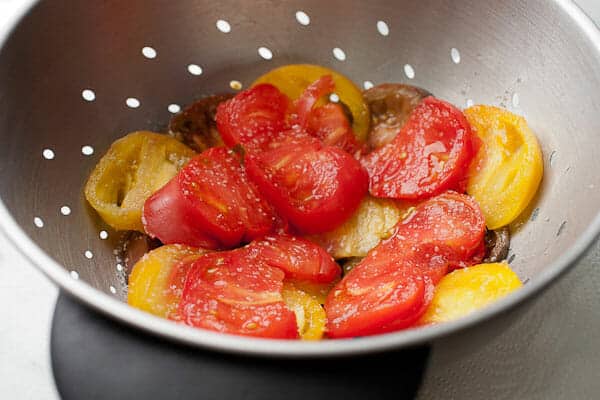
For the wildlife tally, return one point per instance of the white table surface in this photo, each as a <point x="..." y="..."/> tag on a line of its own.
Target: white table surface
<point x="551" y="352"/>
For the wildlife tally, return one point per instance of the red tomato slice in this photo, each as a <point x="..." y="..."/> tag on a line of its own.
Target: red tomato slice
<point x="431" y="154"/>
<point x="209" y="204"/>
<point x="330" y="125"/>
<point x="227" y="292"/>
<point x="176" y="283"/>
<point x="253" y="117"/>
<point x="315" y="188"/>
<point x="451" y="219"/>
<point x="411" y="320"/>
<point x="443" y="232"/>
<point x="305" y="103"/>
<point x="371" y="298"/>
<point x="299" y="258"/>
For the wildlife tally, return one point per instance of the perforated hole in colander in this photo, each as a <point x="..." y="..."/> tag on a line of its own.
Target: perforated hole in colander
<point x="194" y="69"/>
<point x="132" y="102"/>
<point x="174" y="108"/>
<point x="149" y="52"/>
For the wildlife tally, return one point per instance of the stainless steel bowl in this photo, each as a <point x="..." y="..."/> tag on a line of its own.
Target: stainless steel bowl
<point x="68" y="68"/>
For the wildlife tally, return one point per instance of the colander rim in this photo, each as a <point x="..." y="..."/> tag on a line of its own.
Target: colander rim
<point x="112" y="307"/>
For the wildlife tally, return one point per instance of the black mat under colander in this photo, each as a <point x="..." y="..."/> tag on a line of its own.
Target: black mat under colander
<point x="97" y="358"/>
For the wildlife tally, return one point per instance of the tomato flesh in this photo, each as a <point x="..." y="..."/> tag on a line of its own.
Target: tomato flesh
<point x="310" y="316"/>
<point x="371" y="298"/>
<point x="468" y="290"/>
<point x="445" y="232"/>
<point x="132" y="169"/>
<point x="315" y="187"/>
<point x="305" y="104"/>
<point x="431" y="154"/>
<point x="157" y="279"/>
<point x="392" y="286"/>
<point x="225" y="292"/>
<point x="293" y="80"/>
<point x="509" y="167"/>
<point x="209" y="204"/>
<point x="299" y="258"/>
<point x="328" y="123"/>
<point x="253" y="117"/>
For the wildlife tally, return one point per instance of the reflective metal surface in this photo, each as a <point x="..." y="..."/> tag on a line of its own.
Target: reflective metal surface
<point x="539" y="58"/>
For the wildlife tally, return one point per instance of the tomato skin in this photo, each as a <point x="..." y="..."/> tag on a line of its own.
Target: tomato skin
<point x="431" y="154"/>
<point x="225" y="292"/>
<point x="168" y="216"/>
<point x="299" y="258"/>
<point x="442" y="233"/>
<point x="209" y="204"/>
<point x="315" y="188"/>
<point x="253" y="117"/>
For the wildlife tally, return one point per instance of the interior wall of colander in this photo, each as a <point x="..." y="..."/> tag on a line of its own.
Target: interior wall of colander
<point x="529" y="57"/>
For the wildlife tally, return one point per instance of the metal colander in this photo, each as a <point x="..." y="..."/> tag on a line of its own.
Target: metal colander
<point x="74" y="76"/>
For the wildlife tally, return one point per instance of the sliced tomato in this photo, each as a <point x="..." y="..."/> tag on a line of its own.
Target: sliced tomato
<point x="415" y="317"/>
<point x="392" y="286"/>
<point x="310" y="316"/>
<point x="227" y="292"/>
<point x="303" y="106"/>
<point x="253" y="117"/>
<point x="156" y="280"/>
<point x="465" y="291"/>
<point x="441" y="234"/>
<point x="448" y="223"/>
<point x="313" y="186"/>
<point x="330" y="125"/>
<point x="508" y="170"/>
<point x="209" y="204"/>
<point x="299" y="258"/>
<point x="133" y="168"/>
<point x="371" y="298"/>
<point x="431" y="154"/>
<point x="293" y="80"/>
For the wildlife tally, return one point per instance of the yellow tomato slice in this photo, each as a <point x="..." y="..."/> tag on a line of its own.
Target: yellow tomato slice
<point x="293" y="79"/>
<point x="310" y="315"/>
<point x="134" y="167"/>
<point x="318" y="291"/>
<point x="464" y="291"/>
<point x="373" y="221"/>
<point x="157" y="279"/>
<point x="508" y="168"/>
